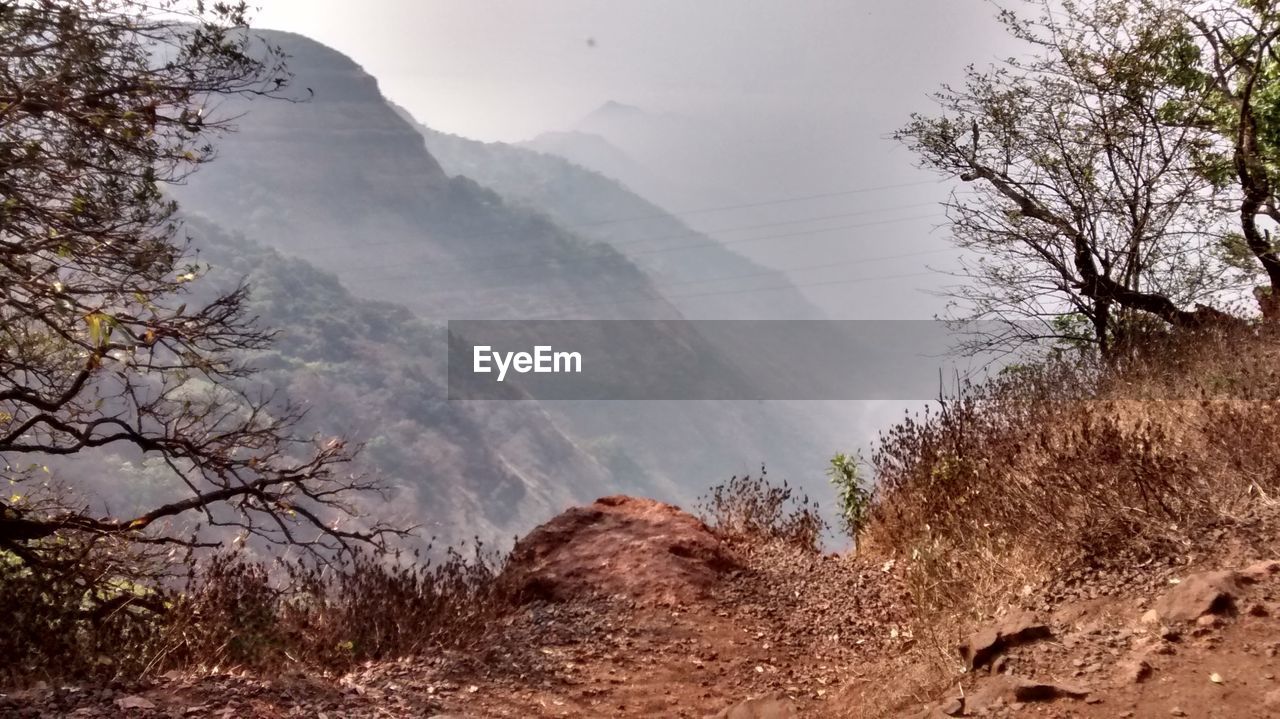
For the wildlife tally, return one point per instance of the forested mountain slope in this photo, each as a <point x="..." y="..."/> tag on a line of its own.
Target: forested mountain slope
<point x="375" y="208"/>
<point x="373" y="372"/>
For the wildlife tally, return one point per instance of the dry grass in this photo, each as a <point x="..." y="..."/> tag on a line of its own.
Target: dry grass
<point x="1071" y="465"/>
<point x="753" y="509"/>
<point x="232" y="612"/>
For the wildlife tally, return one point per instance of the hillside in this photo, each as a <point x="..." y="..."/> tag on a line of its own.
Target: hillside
<point x="340" y="179"/>
<point x="1151" y="590"/>
<point x="374" y="372"/>
<point x="671" y="159"/>
<point x="701" y="277"/>
<point x="374" y="208"/>
<point x="253" y="465"/>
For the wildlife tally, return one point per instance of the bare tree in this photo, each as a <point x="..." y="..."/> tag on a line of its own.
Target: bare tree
<point x="1228" y="53"/>
<point x="102" y="345"/>
<point x="1089" y="212"/>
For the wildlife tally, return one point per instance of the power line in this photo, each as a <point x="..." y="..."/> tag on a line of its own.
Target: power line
<point x="852" y="280"/>
<point x="449" y="271"/>
<point x="767" y="203"/>
<point x="657" y="215"/>
<point x="763" y="273"/>
<point x="684" y="235"/>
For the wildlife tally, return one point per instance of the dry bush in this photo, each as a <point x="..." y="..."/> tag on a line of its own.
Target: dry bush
<point x="331" y="615"/>
<point x="754" y="509"/>
<point x="1073" y="464"/>
<point x="97" y="619"/>
<point x="235" y="612"/>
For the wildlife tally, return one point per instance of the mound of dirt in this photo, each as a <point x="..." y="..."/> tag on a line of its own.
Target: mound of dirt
<point x="641" y="549"/>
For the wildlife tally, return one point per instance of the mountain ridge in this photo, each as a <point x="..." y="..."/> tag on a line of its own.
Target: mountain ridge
<point x="606" y="211"/>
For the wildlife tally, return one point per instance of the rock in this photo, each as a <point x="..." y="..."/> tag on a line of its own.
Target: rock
<point x="774" y="706"/>
<point x="1026" y="690"/>
<point x="135" y="702"/>
<point x="983" y="646"/>
<point x="1133" y="672"/>
<point x="1259" y="571"/>
<point x="649" y="551"/>
<point x="952" y="707"/>
<point x="1198" y="595"/>
<point x="1271" y="699"/>
<point x="1005" y="689"/>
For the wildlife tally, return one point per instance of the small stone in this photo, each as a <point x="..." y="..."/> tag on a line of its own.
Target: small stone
<point x="1272" y="699"/>
<point x="1133" y="672"/>
<point x="1259" y="571"/>
<point x="1177" y="712"/>
<point x="983" y="646"/>
<point x="135" y="702"/>
<point x="1198" y="595"/>
<point x="953" y="707"/>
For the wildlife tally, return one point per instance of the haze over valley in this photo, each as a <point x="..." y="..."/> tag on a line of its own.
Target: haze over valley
<point x="347" y="184"/>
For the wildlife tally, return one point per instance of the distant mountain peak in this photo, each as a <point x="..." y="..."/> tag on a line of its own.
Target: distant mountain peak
<point x="615" y="106"/>
<point x="613" y="112"/>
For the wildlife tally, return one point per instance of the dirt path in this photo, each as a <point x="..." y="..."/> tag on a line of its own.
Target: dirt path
<point x="826" y="636"/>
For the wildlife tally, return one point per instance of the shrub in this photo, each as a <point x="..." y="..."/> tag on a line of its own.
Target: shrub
<point x="1071" y="463"/>
<point x="85" y="609"/>
<point x="234" y="611"/>
<point x="753" y="509"/>
<point x="851" y="492"/>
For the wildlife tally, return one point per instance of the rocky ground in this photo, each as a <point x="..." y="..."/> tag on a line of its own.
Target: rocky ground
<point x="631" y="608"/>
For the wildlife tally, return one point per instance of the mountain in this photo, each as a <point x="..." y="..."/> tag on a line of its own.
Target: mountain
<point x="672" y="160"/>
<point x="593" y="151"/>
<point x="374" y="372"/>
<point x="339" y="178"/>
<point x="699" y="275"/>
<point x="341" y="182"/>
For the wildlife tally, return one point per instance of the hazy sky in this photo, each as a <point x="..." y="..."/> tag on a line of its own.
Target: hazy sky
<point x="509" y="69"/>
<point x="805" y="93"/>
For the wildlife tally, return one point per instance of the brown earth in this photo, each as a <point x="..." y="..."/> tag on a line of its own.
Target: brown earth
<point x="632" y="608"/>
<point x="639" y="549"/>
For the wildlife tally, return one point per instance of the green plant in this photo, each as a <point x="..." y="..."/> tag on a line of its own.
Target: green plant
<point x="851" y="492"/>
